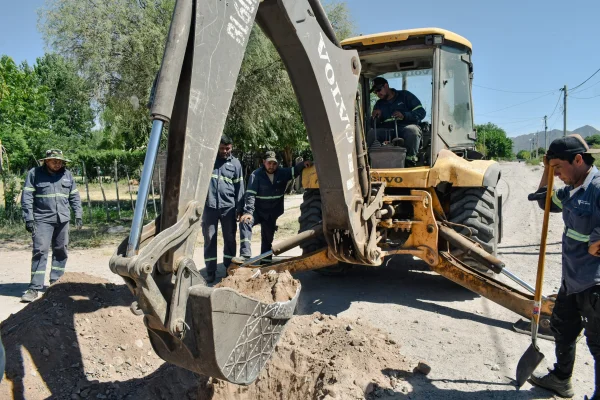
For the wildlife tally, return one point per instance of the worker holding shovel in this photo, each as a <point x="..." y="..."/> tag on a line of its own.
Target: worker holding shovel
<point x="577" y="305"/>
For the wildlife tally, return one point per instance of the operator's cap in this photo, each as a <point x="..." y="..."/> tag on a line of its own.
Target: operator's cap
<point x="378" y="83"/>
<point x="569" y="146"/>
<point x="54" y="154"/>
<point x="270" y="156"/>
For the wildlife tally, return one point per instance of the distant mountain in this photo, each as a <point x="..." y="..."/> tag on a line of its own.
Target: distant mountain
<point x="522" y="142"/>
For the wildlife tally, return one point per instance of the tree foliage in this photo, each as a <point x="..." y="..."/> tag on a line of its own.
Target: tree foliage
<point x="593" y="140"/>
<point x="523" y="155"/>
<point x="494" y="141"/>
<point x="23" y="112"/>
<point x="41" y="107"/>
<point x="118" y="46"/>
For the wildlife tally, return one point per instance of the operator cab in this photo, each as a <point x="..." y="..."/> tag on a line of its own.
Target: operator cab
<point x="434" y="65"/>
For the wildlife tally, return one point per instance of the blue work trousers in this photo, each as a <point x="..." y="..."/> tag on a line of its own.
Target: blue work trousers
<point x="267" y="233"/>
<point x="210" y="221"/>
<point x="46" y="234"/>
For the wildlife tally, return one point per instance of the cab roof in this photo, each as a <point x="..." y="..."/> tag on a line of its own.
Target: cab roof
<point x="400" y="36"/>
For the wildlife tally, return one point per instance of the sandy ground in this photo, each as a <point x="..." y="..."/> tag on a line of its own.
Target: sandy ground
<point x="467" y="340"/>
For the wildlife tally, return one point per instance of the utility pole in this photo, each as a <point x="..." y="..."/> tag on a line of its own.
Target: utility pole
<point x="546" y="132"/>
<point x="565" y="112"/>
<point x="537" y="144"/>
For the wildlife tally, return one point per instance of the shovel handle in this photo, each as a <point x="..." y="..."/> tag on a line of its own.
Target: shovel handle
<point x="537" y="297"/>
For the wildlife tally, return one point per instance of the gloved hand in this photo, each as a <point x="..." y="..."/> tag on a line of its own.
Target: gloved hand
<point x="78" y="223"/>
<point x="539" y="194"/>
<point x="30" y="226"/>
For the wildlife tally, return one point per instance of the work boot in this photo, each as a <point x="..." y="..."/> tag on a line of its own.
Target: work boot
<point x="239" y="260"/>
<point x="562" y="387"/>
<point x="596" y="396"/>
<point x="211" y="276"/>
<point x="29" y="296"/>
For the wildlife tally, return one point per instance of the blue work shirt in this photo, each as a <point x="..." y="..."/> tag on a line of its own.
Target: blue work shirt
<point x="265" y="198"/>
<point x="47" y="196"/>
<point x="581" y="214"/>
<point x="406" y="103"/>
<point x="226" y="188"/>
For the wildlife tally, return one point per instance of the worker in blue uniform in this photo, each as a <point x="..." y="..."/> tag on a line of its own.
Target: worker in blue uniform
<point x="264" y="201"/>
<point x="48" y="196"/>
<point x="577" y="305"/>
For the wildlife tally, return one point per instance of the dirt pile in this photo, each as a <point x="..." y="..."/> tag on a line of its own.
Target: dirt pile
<point x="269" y="288"/>
<point x="80" y="341"/>
<point x="324" y="357"/>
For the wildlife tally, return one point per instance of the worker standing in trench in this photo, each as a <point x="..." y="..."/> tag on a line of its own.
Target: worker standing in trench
<point x="577" y="305"/>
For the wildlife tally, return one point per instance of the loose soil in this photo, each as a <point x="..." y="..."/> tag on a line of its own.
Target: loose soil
<point x="81" y="341"/>
<point x="268" y="288"/>
<point x="325" y="357"/>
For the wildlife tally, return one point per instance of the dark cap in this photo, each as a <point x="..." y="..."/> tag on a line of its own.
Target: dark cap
<point x="378" y="83"/>
<point x="569" y="146"/>
<point x="270" y="156"/>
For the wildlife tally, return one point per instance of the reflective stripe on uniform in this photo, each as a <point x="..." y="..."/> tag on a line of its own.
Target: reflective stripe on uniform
<point x="251" y="191"/>
<point x="556" y="200"/>
<point x="269" y="197"/>
<point x="226" y="179"/>
<point x="580" y="237"/>
<point x="29" y="189"/>
<point x="226" y="256"/>
<point x="210" y="259"/>
<point x="246" y="240"/>
<point x="74" y="191"/>
<point x="52" y="195"/>
<point x="58" y="268"/>
<point x="417" y="107"/>
<point x="38" y="273"/>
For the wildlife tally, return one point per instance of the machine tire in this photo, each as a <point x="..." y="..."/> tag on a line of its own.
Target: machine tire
<point x="311" y="215"/>
<point x="476" y="209"/>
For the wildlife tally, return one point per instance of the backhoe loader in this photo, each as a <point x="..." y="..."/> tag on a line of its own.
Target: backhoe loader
<point x="359" y="206"/>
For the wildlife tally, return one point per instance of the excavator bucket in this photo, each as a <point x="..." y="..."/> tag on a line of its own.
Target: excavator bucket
<point x="232" y="335"/>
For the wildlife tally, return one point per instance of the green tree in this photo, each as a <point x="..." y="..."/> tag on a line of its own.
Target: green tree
<point x="71" y="117"/>
<point x="23" y="113"/>
<point x="494" y="140"/>
<point x="117" y="46"/>
<point x="593" y="140"/>
<point x="523" y="155"/>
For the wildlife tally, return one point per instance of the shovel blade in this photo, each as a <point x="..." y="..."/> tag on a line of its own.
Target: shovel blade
<point x="528" y="363"/>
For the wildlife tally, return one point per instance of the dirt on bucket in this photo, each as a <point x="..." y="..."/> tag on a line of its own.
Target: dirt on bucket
<point x="270" y="287"/>
<point x="81" y="341"/>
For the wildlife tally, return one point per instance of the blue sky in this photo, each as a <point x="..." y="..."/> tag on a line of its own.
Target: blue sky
<point x="523" y="46"/>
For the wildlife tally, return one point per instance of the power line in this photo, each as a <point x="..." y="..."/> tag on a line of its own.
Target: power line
<point x="557" y="101"/>
<point x="517" y="122"/>
<point x="518" y="104"/>
<point x="584" y="98"/>
<point x="598" y="70"/>
<point x="587" y="88"/>
<point x="511" y="91"/>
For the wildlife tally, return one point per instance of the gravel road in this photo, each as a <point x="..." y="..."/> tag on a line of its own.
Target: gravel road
<point x="467" y="340"/>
